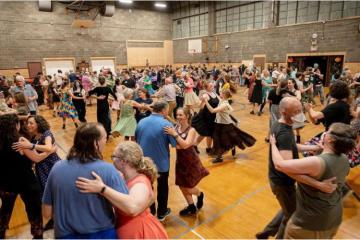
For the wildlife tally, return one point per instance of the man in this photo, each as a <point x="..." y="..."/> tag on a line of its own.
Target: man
<point x="77" y="214"/>
<point x="282" y="185"/>
<point x="59" y="78"/>
<point x="168" y="91"/>
<point x="151" y="137"/>
<point x="72" y="76"/>
<point x="318" y="81"/>
<point x="129" y="82"/>
<point x="28" y="91"/>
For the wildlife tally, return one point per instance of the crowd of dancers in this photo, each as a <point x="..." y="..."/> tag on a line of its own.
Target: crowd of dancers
<point x="179" y="107"/>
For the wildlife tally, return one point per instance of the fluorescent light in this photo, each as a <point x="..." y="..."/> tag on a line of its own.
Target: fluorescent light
<point x="126" y="1"/>
<point x="160" y="5"/>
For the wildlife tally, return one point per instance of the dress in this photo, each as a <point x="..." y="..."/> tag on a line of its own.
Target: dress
<point x="190" y="97"/>
<point x="204" y="121"/>
<point x="43" y="168"/>
<point x="67" y="108"/>
<point x="226" y="135"/>
<point x="256" y="96"/>
<point x="142" y="226"/>
<point x="127" y="123"/>
<point x="189" y="169"/>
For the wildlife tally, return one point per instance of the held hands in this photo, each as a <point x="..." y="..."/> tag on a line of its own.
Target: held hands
<point x="328" y="185"/>
<point x="23" y="143"/>
<point x="308" y="106"/>
<point x="170" y="131"/>
<point x="102" y="97"/>
<point x="272" y="139"/>
<point x="90" y="186"/>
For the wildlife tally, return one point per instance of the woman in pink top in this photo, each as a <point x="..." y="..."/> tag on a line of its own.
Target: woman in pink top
<point x="134" y="219"/>
<point x="190" y="97"/>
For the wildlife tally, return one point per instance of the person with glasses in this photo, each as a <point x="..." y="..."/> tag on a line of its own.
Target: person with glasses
<point x="78" y="215"/>
<point x="134" y="219"/>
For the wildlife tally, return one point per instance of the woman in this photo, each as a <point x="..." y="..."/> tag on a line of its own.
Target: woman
<point x="190" y="98"/>
<point x="67" y="108"/>
<point x="134" y="220"/>
<point x="148" y="83"/>
<point x="204" y="121"/>
<point x="17" y="177"/>
<point x="226" y="135"/>
<point x="228" y="86"/>
<point x="145" y="100"/>
<point x="78" y="96"/>
<point x="189" y="170"/>
<point x="126" y="125"/>
<point x="337" y="111"/>
<point x="179" y="81"/>
<point x="266" y="83"/>
<point x="119" y="92"/>
<point x="55" y="97"/>
<point x="77" y="215"/>
<point x="318" y="215"/>
<point x="256" y="97"/>
<point x="103" y="112"/>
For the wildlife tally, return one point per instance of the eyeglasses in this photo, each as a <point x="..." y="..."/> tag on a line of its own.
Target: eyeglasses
<point x="114" y="158"/>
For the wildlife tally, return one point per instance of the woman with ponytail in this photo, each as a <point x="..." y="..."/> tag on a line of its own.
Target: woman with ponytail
<point x="134" y="220"/>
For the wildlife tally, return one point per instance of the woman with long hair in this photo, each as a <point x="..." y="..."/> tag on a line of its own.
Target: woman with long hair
<point x="17" y="178"/>
<point x="67" y="108"/>
<point x="78" y="97"/>
<point x="134" y="220"/>
<point x="189" y="169"/>
<point x="318" y="215"/>
<point x="226" y="134"/>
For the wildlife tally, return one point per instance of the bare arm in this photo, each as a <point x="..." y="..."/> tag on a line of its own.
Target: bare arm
<point x="188" y="142"/>
<point x="215" y="110"/>
<point x="47" y="211"/>
<point x="137" y="201"/>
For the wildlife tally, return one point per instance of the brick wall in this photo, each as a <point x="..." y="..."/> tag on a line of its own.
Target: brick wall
<point x="26" y="34"/>
<point x="275" y="43"/>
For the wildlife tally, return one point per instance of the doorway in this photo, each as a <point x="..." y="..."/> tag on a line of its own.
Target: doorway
<point x="328" y="64"/>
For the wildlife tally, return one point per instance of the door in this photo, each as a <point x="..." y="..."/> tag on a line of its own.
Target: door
<point x="34" y="68"/>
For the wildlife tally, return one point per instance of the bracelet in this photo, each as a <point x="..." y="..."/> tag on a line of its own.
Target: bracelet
<point x="103" y="189"/>
<point x="33" y="146"/>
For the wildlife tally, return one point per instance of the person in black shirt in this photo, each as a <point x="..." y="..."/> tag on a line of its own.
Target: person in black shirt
<point x="103" y="111"/>
<point x="318" y="82"/>
<point x="17" y="177"/>
<point x="144" y="99"/>
<point x="129" y="82"/>
<point x="282" y="185"/>
<point x="337" y="111"/>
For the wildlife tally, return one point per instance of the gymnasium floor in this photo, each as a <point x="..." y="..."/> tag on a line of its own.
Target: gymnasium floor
<point x="238" y="200"/>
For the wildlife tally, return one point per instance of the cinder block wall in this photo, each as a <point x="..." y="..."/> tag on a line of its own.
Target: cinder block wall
<point x="275" y="43"/>
<point x="26" y="34"/>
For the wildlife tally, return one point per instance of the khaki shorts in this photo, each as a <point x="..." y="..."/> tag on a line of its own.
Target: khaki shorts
<point x="293" y="231"/>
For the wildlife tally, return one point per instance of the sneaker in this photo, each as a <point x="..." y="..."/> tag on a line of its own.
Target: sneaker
<point x="200" y="201"/>
<point x="261" y="235"/>
<point x="252" y="112"/>
<point x="218" y="160"/>
<point x="161" y="217"/>
<point x="191" y="209"/>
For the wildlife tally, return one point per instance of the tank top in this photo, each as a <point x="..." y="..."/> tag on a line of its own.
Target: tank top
<point x="318" y="211"/>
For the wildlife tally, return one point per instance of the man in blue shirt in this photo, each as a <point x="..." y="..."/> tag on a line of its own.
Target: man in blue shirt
<point x="155" y="142"/>
<point x="82" y="215"/>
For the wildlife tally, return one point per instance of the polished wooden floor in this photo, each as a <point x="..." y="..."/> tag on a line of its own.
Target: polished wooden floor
<point x="238" y="199"/>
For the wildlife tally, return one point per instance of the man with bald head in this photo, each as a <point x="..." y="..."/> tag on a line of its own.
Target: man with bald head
<point x="282" y="185"/>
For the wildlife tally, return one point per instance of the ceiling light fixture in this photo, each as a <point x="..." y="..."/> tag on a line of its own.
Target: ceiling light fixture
<point x="126" y="1"/>
<point x="160" y="5"/>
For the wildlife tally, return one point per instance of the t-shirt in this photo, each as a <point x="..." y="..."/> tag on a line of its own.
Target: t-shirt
<point x="140" y="114"/>
<point x="338" y="111"/>
<point x="285" y="140"/>
<point x="154" y="141"/>
<point x="76" y="212"/>
<point x="129" y="83"/>
<point x="273" y="97"/>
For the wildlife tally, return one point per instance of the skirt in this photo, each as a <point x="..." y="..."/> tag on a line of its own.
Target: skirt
<point x="203" y="124"/>
<point x="189" y="169"/>
<point x="191" y="99"/>
<point x="227" y="136"/>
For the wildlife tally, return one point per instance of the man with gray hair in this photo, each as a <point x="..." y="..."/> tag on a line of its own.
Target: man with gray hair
<point x="29" y="92"/>
<point x="155" y="142"/>
<point x="282" y="185"/>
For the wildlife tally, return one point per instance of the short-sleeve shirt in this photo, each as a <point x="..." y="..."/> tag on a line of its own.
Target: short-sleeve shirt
<point x="273" y="97"/>
<point x="285" y="140"/>
<point x="76" y="212"/>
<point x="336" y="112"/>
<point x="154" y="141"/>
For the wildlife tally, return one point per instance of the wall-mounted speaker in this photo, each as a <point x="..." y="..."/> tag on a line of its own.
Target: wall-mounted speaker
<point x="108" y="10"/>
<point x="45" y="5"/>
